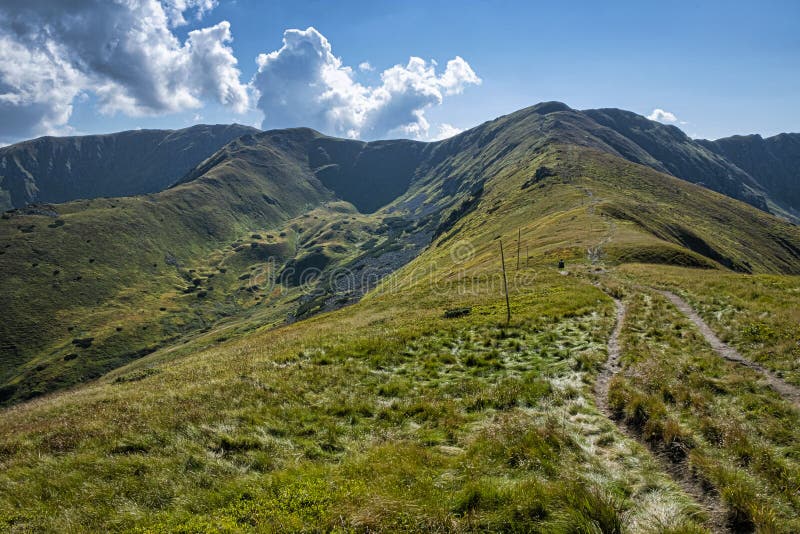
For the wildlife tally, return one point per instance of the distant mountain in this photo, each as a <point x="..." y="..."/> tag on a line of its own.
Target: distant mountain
<point x="60" y="169"/>
<point x="761" y="172"/>
<point x="369" y="175"/>
<point x="774" y="162"/>
<point x="256" y="233"/>
<point x="670" y="150"/>
<point x="198" y="393"/>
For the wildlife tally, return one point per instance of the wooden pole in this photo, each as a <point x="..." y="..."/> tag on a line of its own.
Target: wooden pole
<point x="505" y="284"/>
<point x="519" y="244"/>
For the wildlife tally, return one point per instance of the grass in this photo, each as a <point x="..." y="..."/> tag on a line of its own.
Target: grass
<point x="385" y="415"/>
<point x="737" y="434"/>
<point x="131" y="308"/>
<point x="470" y="424"/>
<point x="142" y="273"/>
<point x="107" y="272"/>
<point x="756" y="314"/>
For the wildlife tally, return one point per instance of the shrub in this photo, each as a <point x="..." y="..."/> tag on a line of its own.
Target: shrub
<point x="135" y="376"/>
<point x="83" y="343"/>
<point x="757" y="333"/>
<point x="481" y="495"/>
<point x="453" y="313"/>
<point x="677" y="440"/>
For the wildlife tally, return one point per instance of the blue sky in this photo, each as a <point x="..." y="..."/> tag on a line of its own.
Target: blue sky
<point x="719" y="68"/>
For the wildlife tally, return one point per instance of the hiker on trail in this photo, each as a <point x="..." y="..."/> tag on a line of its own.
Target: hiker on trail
<point x="560" y="264"/>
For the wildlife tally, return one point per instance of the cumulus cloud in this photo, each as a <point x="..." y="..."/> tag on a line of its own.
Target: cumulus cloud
<point x="124" y="56"/>
<point x="177" y="9"/>
<point x="660" y="115"/>
<point x="123" y="52"/>
<point x="211" y="67"/>
<point x="446" y="131"/>
<point x="305" y="84"/>
<point x="37" y="88"/>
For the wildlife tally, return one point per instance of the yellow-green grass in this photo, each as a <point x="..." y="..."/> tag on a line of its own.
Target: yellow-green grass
<point x="370" y="417"/>
<point x="739" y="436"/>
<point x="386" y="416"/>
<point x="64" y="289"/>
<point x="759" y="315"/>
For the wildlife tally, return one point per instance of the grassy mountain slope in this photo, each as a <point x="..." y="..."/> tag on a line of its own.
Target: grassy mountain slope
<point x="60" y="169"/>
<point x="773" y="161"/>
<point x="90" y="284"/>
<point x="677" y="154"/>
<point x="657" y="211"/>
<point x="257" y="233"/>
<point x="622" y="133"/>
<point x="385" y="415"/>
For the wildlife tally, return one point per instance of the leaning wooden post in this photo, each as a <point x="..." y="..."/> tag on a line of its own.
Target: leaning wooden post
<point x="505" y="283"/>
<point x="519" y="244"/>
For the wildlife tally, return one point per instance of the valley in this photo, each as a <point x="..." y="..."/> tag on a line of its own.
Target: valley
<point x="268" y="343"/>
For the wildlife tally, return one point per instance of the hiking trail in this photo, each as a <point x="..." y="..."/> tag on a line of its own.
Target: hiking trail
<point x="725" y="351"/>
<point x="680" y="472"/>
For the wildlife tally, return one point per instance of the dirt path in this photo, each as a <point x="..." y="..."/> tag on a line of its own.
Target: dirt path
<point x="612" y="365"/>
<point x="680" y="472"/>
<point x="786" y="390"/>
<point x="595" y="253"/>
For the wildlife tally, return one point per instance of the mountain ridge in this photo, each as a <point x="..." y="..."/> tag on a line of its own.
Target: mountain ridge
<point x="677" y="154"/>
<point x="304" y="332"/>
<point x="59" y="169"/>
<point x="774" y="161"/>
<point x="240" y="230"/>
<point x="725" y="165"/>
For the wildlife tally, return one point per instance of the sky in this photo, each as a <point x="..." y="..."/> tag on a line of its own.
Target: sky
<point x="380" y="69"/>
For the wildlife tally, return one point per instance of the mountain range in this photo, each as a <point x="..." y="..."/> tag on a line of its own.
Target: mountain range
<point x="225" y="329"/>
<point x="308" y="201"/>
<point x="59" y="169"/>
<point x="773" y="162"/>
<point x="761" y="172"/>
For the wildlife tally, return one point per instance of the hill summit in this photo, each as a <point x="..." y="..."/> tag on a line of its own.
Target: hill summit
<point x="556" y="321"/>
<point x="187" y="256"/>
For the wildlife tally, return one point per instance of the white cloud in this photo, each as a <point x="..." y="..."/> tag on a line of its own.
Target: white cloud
<point x="305" y="84"/>
<point x="660" y="115"/>
<point x="126" y="55"/>
<point x="37" y="88"/>
<point x="211" y="66"/>
<point x="457" y="76"/>
<point x="365" y="66"/>
<point x="123" y="52"/>
<point x="176" y="9"/>
<point x="446" y="131"/>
